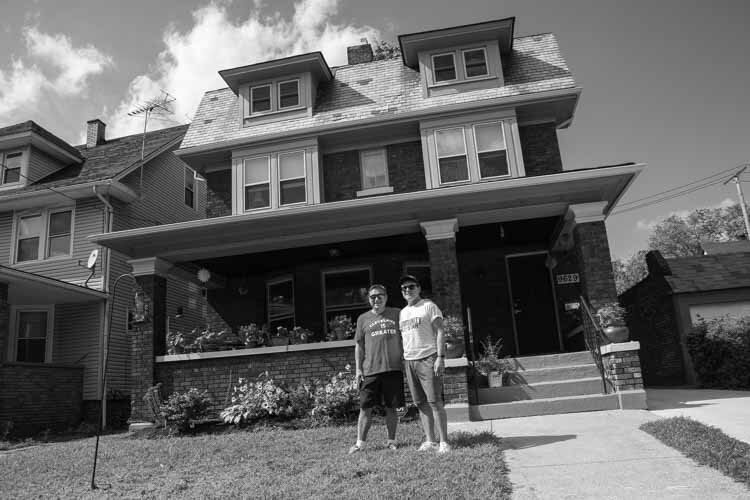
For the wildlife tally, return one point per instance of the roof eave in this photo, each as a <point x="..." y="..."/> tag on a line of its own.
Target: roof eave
<point x="40" y="197"/>
<point x="235" y="76"/>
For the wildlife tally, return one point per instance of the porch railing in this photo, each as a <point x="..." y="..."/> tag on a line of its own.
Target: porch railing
<point x="594" y="337"/>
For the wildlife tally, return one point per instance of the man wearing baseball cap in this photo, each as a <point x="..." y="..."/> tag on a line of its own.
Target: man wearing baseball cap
<point x="421" y="324"/>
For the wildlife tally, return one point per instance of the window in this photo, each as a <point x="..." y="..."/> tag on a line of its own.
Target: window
<point x="11" y="167"/>
<point x="475" y="63"/>
<point x="451" y="154"/>
<point x="260" y="99"/>
<point x="374" y="167"/>
<point x="292" y="178"/>
<point x="189" y="187"/>
<point x="280" y="299"/>
<point x="444" y="67"/>
<point x="32" y="336"/>
<point x="421" y="271"/>
<point x="345" y="292"/>
<point x="44" y="234"/>
<point x="288" y="94"/>
<point x="491" y="152"/>
<point x="257" y="182"/>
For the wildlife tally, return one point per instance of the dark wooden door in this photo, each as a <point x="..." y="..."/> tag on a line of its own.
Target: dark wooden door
<point x="533" y="304"/>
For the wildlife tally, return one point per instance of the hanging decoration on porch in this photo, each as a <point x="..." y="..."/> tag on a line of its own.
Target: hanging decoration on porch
<point x="204" y="275"/>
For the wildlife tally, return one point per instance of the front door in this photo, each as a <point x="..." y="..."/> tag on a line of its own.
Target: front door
<point x="533" y="304"/>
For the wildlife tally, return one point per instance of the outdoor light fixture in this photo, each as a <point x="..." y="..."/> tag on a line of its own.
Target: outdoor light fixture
<point x="140" y="314"/>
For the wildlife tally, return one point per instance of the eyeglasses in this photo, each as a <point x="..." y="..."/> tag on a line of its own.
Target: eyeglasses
<point x="406" y="288"/>
<point x="377" y="296"/>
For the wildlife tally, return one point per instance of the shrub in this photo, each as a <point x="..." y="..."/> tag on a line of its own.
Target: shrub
<point x="336" y="401"/>
<point x="266" y="399"/>
<point x="183" y="409"/>
<point x="720" y="349"/>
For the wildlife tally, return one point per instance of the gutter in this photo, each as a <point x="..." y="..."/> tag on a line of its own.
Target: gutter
<point x="106" y="318"/>
<point x="114" y="188"/>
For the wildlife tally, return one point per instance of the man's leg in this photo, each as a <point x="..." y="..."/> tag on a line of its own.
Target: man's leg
<point x="420" y="399"/>
<point x="434" y="391"/>
<point x="393" y="397"/>
<point x="427" y="416"/>
<point x="391" y="422"/>
<point x="363" y="424"/>
<point x="367" y="394"/>
<point x="441" y="419"/>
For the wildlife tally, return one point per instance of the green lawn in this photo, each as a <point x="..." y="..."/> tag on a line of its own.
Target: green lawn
<point x="309" y="463"/>
<point x="705" y="444"/>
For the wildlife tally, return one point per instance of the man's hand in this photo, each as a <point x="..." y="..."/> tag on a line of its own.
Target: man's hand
<point x="439" y="366"/>
<point x="359" y="376"/>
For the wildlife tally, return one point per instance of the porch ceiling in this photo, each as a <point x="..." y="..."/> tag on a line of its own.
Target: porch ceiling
<point x="32" y="289"/>
<point x="514" y="199"/>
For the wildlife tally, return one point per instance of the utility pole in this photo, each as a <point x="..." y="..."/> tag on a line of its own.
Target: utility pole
<point x="736" y="179"/>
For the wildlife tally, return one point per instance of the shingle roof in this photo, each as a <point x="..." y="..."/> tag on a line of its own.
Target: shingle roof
<point x="709" y="272"/>
<point x="31" y="126"/>
<point x="383" y="88"/>
<point x="107" y="160"/>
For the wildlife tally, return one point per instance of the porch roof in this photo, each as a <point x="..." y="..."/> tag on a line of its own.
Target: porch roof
<point x="512" y="199"/>
<point x="25" y="288"/>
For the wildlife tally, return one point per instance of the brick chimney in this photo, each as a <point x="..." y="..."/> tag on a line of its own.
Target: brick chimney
<point x="359" y="53"/>
<point x="95" y="132"/>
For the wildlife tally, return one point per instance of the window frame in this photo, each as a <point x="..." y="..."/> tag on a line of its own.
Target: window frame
<point x="279" y="180"/>
<point x="486" y="63"/>
<point x="268" y="182"/>
<point x="14" y="324"/>
<point x="476" y="149"/>
<point x="279" y="107"/>
<point x="434" y="69"/>
<point x="189" y="188"/>
<point x="384" y="154"/>
<point x="270" y="99"/>
<point x="277" y="281"/>
<point x="345" y="307"/>
<point x="438" y="157"/>
<point x="3" y="166"/>
<point x="43" y="253"/>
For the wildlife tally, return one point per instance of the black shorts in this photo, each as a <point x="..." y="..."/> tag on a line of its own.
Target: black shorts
<point x="386" y="389"/>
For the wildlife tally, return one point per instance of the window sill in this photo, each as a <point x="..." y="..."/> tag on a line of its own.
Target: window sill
<point x="374" y="191"/>
<point x="39" y="261"/>
<point x="461" y="82"/>
<point x="276" y="112"/>
<point x="256" y="351"/>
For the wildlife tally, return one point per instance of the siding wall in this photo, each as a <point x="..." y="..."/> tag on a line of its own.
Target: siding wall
<point x="76" y="341"/>
<point x="41" y="165"/>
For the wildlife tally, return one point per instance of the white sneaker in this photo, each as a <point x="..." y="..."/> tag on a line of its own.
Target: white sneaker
<point x="444" y="448"/>
<point x="427" y="446"/>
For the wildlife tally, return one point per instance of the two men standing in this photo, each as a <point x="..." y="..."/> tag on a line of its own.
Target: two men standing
<point x="378" y="356"/>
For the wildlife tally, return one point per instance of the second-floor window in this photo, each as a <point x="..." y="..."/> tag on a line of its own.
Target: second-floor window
<point x="257" y="175"/>
<point x="451" y="154"/>
<point x="10" y="167"/>
<point x="43" y="235"/>
<point x="189" y="187"/>
<point x="374" y="168"/>
<point x="292" y="178"/>
<point x="491" y="151"/>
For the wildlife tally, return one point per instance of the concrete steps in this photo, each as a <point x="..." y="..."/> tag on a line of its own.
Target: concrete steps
<point x="546" y="406"/>
<point x="541" y="390"/>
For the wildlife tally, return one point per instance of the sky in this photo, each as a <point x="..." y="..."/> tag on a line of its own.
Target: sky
<point x="665" y="82"/>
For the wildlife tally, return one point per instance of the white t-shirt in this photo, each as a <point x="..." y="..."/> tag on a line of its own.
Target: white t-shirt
<point x="415" y="323"/>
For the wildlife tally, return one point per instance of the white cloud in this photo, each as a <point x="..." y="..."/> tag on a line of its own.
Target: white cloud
<point x="52" y="67"/>
<point x="649" y="225"/>
<point x="189" y="64"/>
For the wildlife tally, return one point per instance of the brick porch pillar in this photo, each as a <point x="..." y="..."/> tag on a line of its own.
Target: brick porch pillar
<point x="592" y="252"/>
<point x="4" y="323"/>
<point x="148" y="338"/>
<point x="446" y="290"/>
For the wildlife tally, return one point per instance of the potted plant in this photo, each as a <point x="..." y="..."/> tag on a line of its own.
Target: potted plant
<point x="453" y="331"/>
<point x="341" y="328"/>
<point x="611" y="318"/>
<point x="490" y="364"/>
<point x="300" y="335"/>
<point x="281" y="337"/>
<point x="251" y="335"/>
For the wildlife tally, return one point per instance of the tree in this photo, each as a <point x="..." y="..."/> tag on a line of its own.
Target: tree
<point x="385" y="49"/>
<point x="630" y="271"/>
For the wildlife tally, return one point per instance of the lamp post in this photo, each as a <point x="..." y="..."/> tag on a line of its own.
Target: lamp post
<point x="139" y="316"/>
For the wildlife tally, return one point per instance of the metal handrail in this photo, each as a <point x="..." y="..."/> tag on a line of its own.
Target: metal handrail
<point x="594" y="337"/>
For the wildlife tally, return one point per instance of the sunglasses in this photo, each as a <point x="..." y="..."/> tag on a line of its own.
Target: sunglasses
<point x="377" y="296"/>
<point x="406" y="288"/>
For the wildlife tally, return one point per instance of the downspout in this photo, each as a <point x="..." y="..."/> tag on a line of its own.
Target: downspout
<point x="107" y="223"/>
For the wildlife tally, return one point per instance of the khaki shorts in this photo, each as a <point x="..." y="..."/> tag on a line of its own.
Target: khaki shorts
<point x="424" y="385"/>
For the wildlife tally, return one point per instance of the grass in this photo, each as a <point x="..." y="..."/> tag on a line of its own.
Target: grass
<point x="272" y="463"/>
<point x="704" y="444"/>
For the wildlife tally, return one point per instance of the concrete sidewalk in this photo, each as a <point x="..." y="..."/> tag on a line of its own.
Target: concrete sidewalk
<point x="600" y="454"/>
<point x="727" y="410"/>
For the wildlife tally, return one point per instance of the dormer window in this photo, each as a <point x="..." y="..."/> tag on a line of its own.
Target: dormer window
<point x="260" y="99"/>
<point x="475" y="63"/>
<point x="288" y="94"/>
<point x="10" y="167"/>
<point x="444" y="67"/>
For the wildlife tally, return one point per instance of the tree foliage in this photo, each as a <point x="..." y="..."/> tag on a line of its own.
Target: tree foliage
<point x="384" y="49"/>
<point x="629" y="271"/>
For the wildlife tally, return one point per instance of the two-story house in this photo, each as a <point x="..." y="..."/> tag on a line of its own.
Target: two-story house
<point x="57" y="306"/>
<point x="443" y="163"/>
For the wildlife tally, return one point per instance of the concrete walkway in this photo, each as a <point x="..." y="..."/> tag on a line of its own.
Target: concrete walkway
<point x="727" y="410"/>
<point x="602" y="455"/>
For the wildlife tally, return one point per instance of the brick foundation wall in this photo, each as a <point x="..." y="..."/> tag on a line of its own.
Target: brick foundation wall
<point x="541" y="151"/>
<point x="218" y="193"/>
<point x="37" y="396"/>
<point x="4" y="322"/>
<point x="623" y="370"/>
<point x="595" y="263"/>
<point x="455" y="385"/>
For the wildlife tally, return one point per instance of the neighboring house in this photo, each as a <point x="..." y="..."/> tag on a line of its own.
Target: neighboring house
<point x="53" y="311"/>
<point x="443" y="163"/>
<point x="665" y="305"/>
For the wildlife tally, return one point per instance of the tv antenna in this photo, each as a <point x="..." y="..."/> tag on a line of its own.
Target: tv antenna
<point x="159" y="106"/>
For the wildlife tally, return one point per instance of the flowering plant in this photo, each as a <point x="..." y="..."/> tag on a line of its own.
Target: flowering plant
<point x="264" y="398"/>
<point x="611" y="314"/>
<point x="251" y="334"/>
<point x="337" y="400"/>
<point x="301" y="335"/>
<point x="490" y="360"/>
<point x="341" y="326"/>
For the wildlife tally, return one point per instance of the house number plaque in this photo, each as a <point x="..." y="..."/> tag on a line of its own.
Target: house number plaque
<point x="566" y="279"/>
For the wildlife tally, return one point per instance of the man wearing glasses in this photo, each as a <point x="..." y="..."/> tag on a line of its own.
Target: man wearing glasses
<point x="421" y="324"/>
<point x="377" y="353"/>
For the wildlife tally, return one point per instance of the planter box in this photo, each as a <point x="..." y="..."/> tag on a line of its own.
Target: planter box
<point x="277" y="341"/>
<point x="495" y="379"/>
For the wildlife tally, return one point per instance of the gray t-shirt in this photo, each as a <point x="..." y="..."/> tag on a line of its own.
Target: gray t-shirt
<point x="381" y="339"/>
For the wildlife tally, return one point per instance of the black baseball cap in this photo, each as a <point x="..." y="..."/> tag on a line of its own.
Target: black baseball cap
<point x="406" y="278"/>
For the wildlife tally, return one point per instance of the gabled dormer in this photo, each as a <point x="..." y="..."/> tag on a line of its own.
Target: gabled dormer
<point x="459" y="59"/>
<point x="277" y="90"/>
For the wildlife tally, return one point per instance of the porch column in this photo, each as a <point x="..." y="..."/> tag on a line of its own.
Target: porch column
<point x="592" y="252"/>
<point x="148" y="338"/>
<point x="446" y="289"/>
<point x="4" y="323"/>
